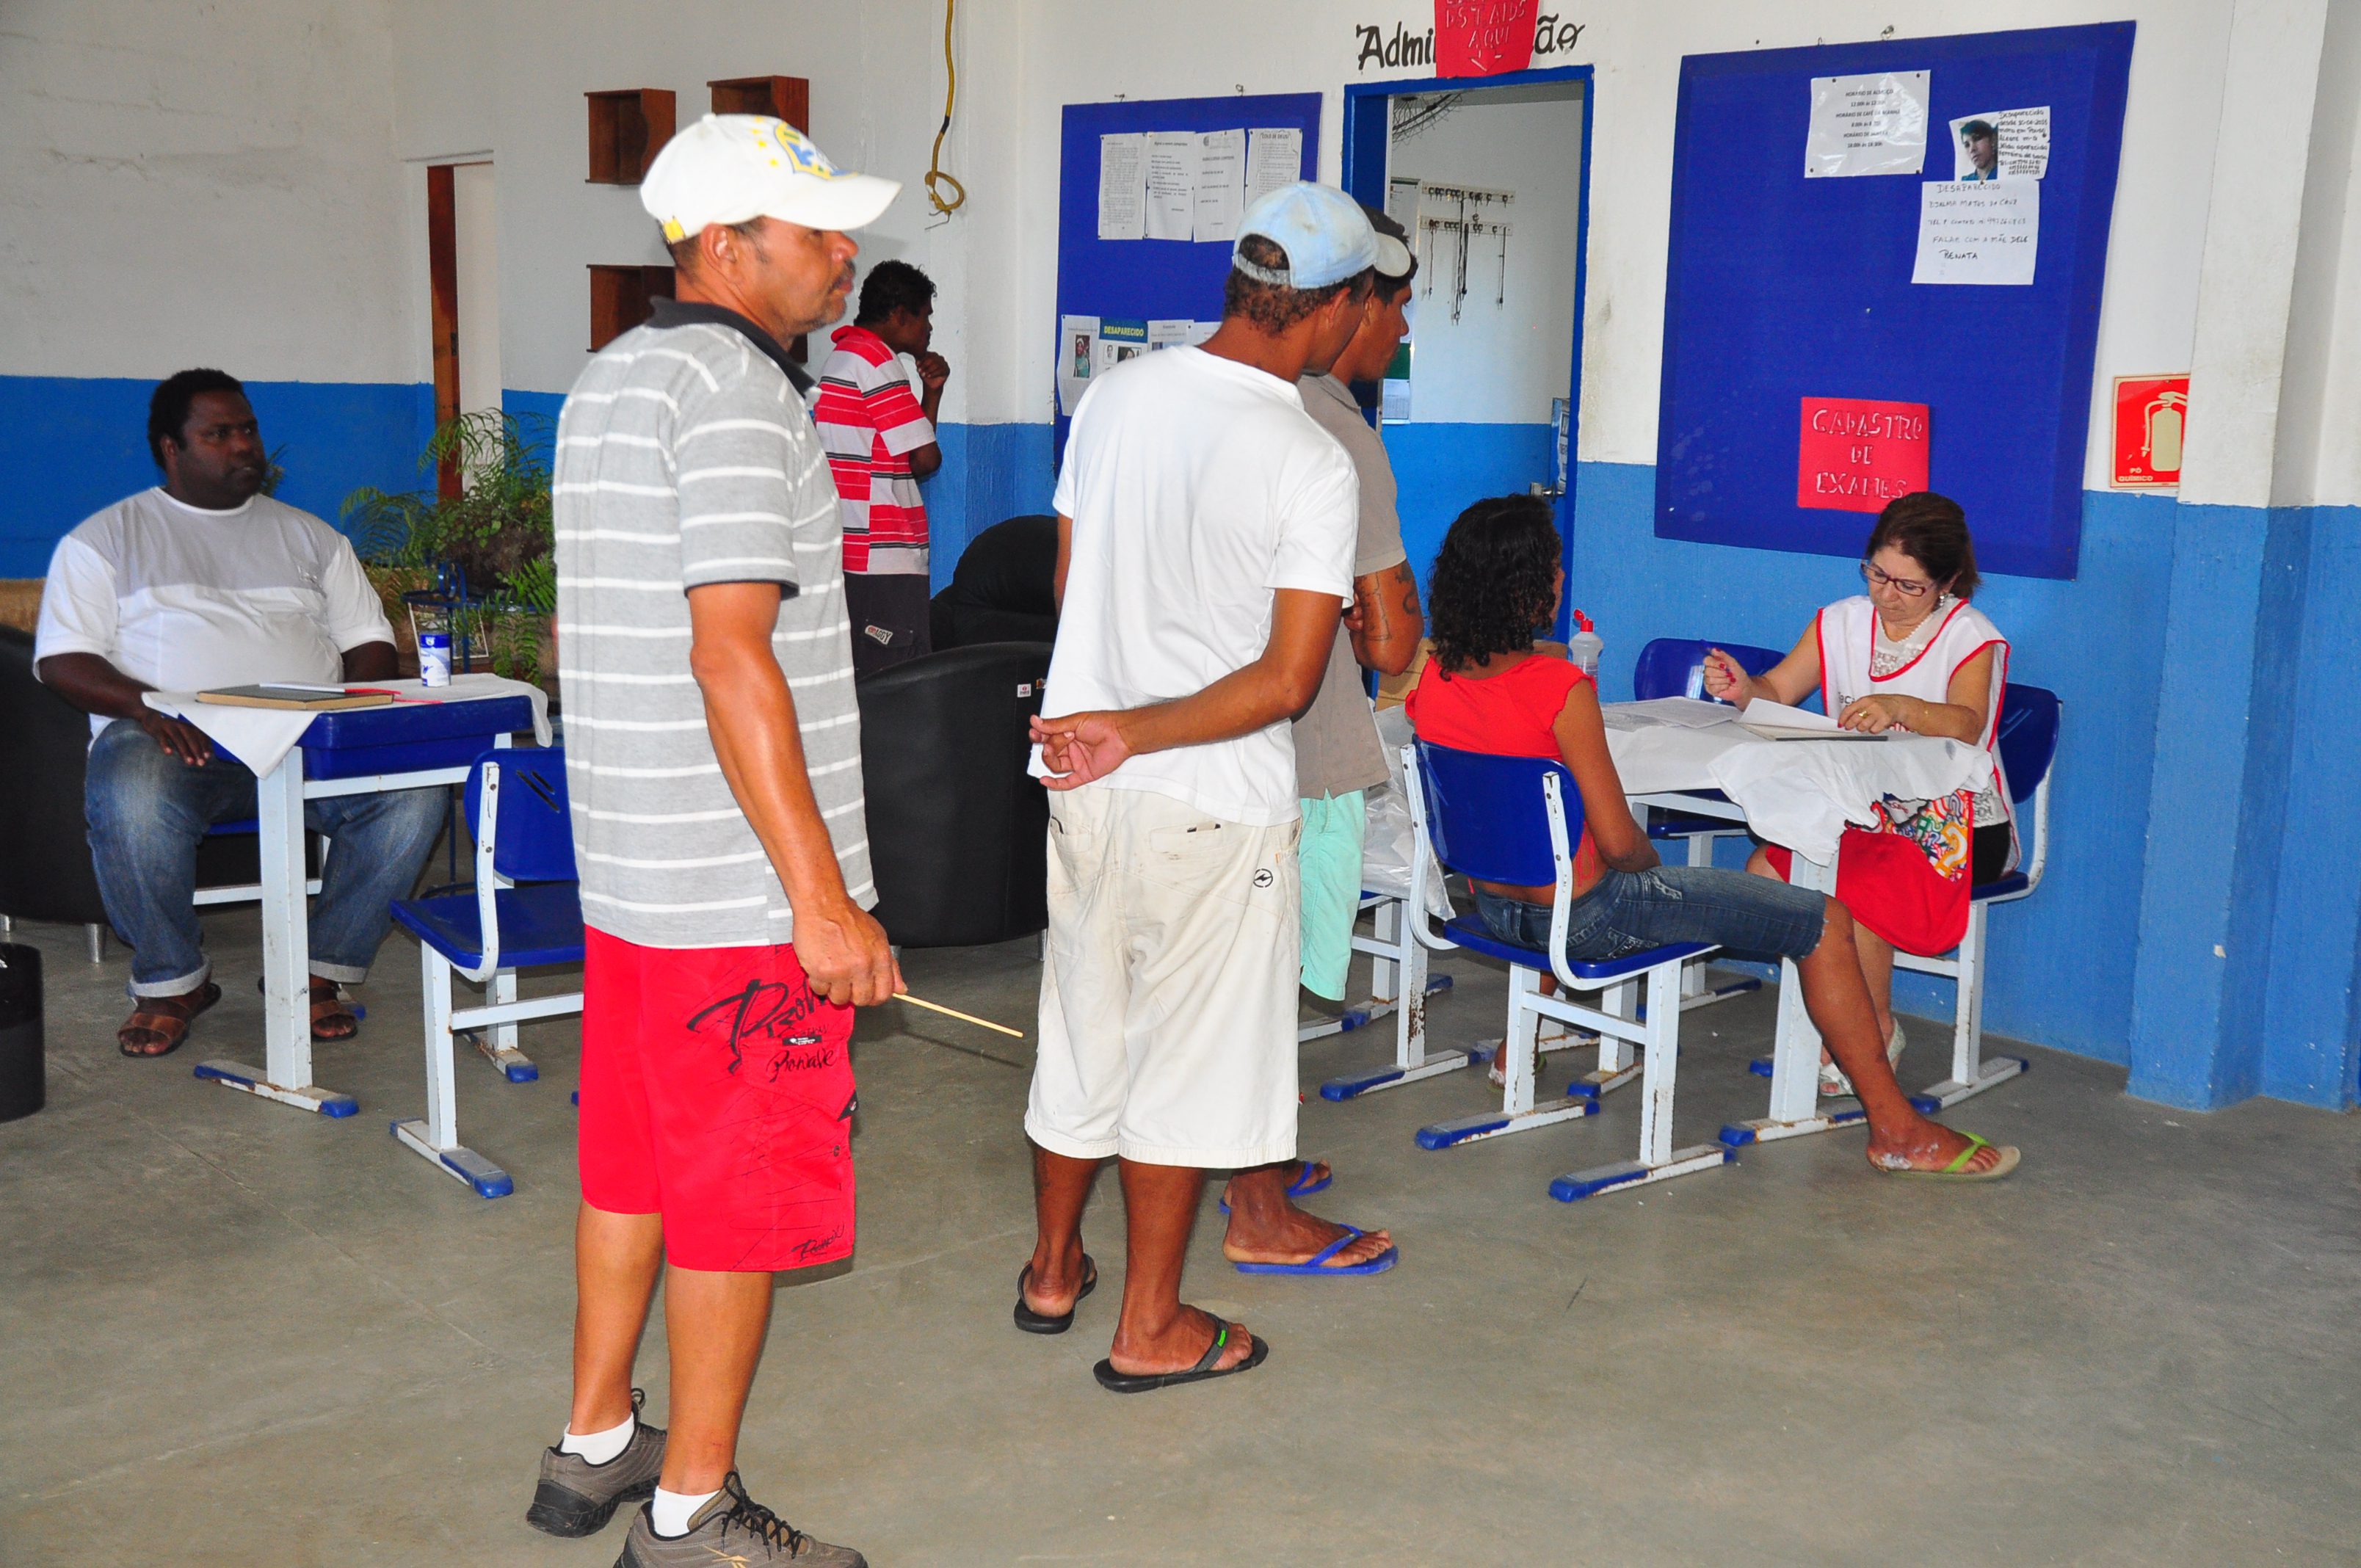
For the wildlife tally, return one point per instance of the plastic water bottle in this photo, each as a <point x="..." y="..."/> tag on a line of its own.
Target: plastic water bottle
<point x="434" y="658"/>
<point x="1584" y="646"/>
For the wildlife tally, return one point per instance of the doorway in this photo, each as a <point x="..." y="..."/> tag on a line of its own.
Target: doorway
<point x="1492" y="182"/>
<point x="464" y="277"/>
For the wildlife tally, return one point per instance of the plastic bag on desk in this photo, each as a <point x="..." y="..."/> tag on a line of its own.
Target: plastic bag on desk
<point x="1389" y="841"/>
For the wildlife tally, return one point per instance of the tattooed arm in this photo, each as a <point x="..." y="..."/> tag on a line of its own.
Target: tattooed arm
<point x="1385" y="619"/>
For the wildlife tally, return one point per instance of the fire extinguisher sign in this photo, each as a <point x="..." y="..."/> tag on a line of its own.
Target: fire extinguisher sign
<point x="2151" y="421"/>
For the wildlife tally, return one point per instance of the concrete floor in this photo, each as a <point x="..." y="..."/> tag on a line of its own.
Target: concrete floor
<point x="235" y="1333"/>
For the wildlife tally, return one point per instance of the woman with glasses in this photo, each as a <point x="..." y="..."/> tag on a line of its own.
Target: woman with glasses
<point x="1912" y="654"/>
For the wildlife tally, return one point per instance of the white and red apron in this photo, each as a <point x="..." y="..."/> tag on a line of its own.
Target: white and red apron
<point x="1907" y="878"/>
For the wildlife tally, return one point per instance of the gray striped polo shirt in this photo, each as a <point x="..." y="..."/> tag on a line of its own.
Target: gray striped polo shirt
<point x="684" y="456"/>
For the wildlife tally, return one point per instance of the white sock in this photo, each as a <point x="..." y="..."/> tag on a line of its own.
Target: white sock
<point x="600" y="1447"/>
<point x="670" y="1511"/>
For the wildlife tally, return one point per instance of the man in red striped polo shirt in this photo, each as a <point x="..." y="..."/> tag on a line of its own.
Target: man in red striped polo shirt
<point x="880" y="435"/>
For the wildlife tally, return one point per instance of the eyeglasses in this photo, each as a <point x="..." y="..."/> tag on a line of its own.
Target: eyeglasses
<point x="1908" y="587"/>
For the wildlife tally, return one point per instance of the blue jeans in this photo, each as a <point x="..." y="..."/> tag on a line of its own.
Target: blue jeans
<point x="1630" y="912"/>
<point x="147" y="810"/>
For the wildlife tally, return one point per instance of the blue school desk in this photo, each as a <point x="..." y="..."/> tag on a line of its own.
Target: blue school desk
<point x="356" y="751"/>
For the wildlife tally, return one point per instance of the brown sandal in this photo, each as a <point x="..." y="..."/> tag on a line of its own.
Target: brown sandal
<point x="158" y="1023"/>
<point x="326" y="1008"/>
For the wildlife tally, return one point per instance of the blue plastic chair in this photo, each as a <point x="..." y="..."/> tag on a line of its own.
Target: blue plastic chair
<point x="525" y="910"/>
<point x="1675" y="666"/>
<point x="2030" y="720"/>
<point x="1516" y="820"/>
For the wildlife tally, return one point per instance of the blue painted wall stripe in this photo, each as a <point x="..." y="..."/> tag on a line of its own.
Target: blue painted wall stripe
<point x="73" y="445"/>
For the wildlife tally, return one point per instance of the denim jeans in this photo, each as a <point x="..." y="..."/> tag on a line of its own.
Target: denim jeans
<point x="1630" y="912"/>
<point x="147" y="810"/>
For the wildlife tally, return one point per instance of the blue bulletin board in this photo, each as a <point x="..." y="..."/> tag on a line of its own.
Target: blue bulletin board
<point x="1781" y="288"/>
<point x="1147" y="280"/>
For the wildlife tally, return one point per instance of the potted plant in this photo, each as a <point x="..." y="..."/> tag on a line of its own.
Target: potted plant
<point x="483" y="553"/>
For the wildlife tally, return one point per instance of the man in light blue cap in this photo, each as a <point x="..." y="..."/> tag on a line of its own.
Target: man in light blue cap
<point x="1205" y="547"/>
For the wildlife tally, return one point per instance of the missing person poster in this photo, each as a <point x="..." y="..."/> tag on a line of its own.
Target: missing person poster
<point x="2001" y="144"/>
<point x="1970" y="232"/>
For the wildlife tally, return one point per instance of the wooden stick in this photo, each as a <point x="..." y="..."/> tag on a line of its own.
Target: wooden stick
<point x="955" y="1013"/>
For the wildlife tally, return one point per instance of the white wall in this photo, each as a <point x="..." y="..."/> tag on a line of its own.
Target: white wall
<point x="1498" y="363"/>
<point x="241" y="183"/>
<point x="2319" y="458"/>
<point x="199" y="185"/>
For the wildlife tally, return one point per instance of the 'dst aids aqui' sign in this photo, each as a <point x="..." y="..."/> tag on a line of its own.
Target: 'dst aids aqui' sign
<point x="1856" y="454"/>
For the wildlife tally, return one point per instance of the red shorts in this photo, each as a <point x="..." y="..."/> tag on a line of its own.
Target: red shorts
<point x="717" y="1092"/>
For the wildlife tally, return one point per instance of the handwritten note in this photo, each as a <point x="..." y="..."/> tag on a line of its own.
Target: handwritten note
<point x="1970" y="232"/>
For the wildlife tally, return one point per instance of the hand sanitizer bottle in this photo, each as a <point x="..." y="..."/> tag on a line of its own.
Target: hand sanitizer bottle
<point x="1584" y="646"/>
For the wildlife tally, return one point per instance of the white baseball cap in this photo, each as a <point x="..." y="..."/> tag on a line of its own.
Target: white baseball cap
<point x="729" y="169"/>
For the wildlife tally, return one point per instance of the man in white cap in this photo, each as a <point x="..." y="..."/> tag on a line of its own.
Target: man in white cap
<point x="1205" y="553"/>
<point x="714" y="764"/>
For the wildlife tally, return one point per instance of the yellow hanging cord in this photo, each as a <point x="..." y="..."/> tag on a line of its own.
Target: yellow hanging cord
<point x="950" y="91"/>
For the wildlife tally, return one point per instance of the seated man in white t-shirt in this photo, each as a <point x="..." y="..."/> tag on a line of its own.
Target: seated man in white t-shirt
<point x="1206" y="527"/>
<point x="204" y="582"/>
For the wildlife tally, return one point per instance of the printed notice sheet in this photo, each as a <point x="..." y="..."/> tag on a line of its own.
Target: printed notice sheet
<point x="1171" y="185"/>
<point x="2001" y="144"/>
<point x="1972" y="232"/>
<point x="1867" y="124"/>
<point x="1169" y="334"/>
<point x="1221" y="184"/>
<point x="1274" y="157"/>
<point x="1123" y="186"/>
<point x="1078" y="338"/>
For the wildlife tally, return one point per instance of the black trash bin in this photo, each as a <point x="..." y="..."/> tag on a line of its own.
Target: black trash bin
<point x="24" y="1086"/>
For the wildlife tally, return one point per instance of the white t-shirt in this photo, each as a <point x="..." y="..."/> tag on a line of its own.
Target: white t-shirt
<point x="186" y="599"/>
<point x="1197" y="486"/>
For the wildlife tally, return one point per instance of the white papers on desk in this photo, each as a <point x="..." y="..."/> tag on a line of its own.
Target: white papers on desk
<point x="1274" y="157"/>
<point x="1777" y="722"/>
<point x="1978" y="231"/>
<point x="1171" y="181"/>
<point x="1673" y="712"/>
<point x="1123" y="186"/>
<point x="1221" y="184"/>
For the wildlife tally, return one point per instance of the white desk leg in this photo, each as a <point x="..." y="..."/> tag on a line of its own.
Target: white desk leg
<point x="1795" y="1053"/>
<point x="286" y="1073"/>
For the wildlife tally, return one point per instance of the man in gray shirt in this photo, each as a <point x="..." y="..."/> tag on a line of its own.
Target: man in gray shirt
<point x="713" y="766"/>
<point x="1337" y="756"/>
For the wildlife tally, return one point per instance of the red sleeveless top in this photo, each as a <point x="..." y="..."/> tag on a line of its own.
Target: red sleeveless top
<point x="1507" y="715"/>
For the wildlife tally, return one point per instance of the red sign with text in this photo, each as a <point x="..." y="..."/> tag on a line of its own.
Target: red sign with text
<point x="1856" y="454"/>
<point x="2151" y="418"/>
<point x="1483" y="37"/>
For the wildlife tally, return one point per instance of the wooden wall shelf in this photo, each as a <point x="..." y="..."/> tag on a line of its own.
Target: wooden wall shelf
<point x="787" y="97"/>
<point x="620" y="298"/>
<point x="628" y="128"/>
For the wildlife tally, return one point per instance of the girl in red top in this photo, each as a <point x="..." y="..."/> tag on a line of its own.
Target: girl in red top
<point x="1491" y="688"/>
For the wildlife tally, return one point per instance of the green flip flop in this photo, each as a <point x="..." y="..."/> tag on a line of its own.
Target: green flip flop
<point x="1958" y="1169"/>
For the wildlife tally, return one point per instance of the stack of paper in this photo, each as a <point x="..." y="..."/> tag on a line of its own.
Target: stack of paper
<point x="1777" y="722"/>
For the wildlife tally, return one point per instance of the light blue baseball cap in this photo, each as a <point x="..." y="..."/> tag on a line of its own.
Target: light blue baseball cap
<point x="1325" y="233"/>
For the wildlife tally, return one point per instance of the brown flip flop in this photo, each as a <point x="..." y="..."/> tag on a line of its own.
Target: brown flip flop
<point x="166" y="1018"/>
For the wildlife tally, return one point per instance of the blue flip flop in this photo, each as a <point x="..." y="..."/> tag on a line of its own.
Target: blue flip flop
<point x="1304" y="1186"/>
<point x="1317" y="1262"/>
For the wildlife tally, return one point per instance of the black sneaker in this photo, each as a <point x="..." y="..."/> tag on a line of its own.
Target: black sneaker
<point x="578" y="1497"/>
<point x="734" y="1529"/>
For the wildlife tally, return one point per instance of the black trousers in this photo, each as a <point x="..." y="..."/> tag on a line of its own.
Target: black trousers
<point x="889" y="619"/>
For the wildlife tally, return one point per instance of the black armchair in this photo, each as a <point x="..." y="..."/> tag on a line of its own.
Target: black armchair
<point x="45" y="870"/>
<point x="1003" y="589"/>
<point x="956" y="828"/>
